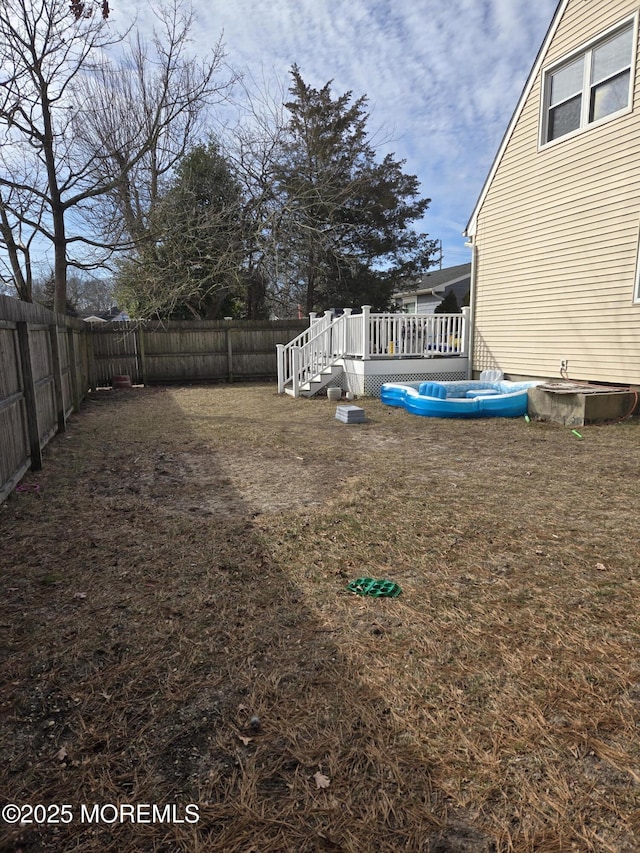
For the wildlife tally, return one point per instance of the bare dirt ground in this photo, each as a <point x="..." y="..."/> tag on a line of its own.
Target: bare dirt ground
<point x="176" y="630"/>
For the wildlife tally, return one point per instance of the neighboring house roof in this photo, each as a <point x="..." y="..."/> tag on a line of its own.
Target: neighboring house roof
<point x="120" y="317"/>
<point x="436" y="282"/>
<point x="562" y="5"/>
<point x="113" y="315"/>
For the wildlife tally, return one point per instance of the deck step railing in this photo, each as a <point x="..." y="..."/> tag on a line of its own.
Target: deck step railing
<point x="366" y="336"/>
<point x="306" y="356"/>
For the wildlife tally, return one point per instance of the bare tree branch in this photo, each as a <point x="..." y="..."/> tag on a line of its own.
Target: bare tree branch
<point x="89" y="128"/>
<point x="148" y="110"/>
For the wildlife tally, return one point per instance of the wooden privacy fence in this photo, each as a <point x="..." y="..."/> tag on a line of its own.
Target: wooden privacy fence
<point x="49" y="362"/>
<point x="44" y="374"/>
<point x="189" y="351"/>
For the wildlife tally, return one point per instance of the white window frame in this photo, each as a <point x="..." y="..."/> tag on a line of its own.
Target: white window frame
<point x="586" y="50"/>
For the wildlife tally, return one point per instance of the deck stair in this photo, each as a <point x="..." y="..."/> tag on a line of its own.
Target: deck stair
<point x="310" y="362"/>
<point x="318" y="383"/>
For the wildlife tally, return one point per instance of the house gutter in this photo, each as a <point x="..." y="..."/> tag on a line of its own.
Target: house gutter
<point x="472" y="301"/>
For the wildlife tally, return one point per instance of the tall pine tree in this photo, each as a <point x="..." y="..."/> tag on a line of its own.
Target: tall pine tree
<point x="346" y="234"/>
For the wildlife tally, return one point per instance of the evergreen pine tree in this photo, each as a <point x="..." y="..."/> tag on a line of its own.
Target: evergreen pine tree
<point x="346" y="232"/>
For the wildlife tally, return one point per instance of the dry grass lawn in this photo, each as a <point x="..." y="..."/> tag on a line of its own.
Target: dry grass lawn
<point x="176" y="630"/>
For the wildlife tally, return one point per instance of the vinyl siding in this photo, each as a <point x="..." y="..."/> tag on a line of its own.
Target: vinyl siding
<point x="557" y="236"/>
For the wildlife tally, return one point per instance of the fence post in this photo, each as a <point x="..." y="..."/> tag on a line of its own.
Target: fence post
<point x="142" y="354"/>
<point x="366" y="350"/>
<point x="29" y="391"/>
<point x="85" y="372"/>
<point x="73" y="369"/>
<point x="56" y="370"/>
<point x="91" y="358"/>
<point x="229" y="354"/>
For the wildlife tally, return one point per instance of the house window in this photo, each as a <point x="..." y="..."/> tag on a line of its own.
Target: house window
<point x="593" y="85"/>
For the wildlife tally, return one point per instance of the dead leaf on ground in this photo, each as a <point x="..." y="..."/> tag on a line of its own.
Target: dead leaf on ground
<point x="321" y="780"/>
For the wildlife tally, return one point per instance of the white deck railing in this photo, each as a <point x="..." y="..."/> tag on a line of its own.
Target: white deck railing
<point x="366" y="336"/>
<point x="403" y="335"/>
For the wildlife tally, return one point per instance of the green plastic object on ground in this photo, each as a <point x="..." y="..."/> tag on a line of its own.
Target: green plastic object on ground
<point x="376" y="588"/>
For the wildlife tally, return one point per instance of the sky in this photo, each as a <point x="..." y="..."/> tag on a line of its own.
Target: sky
<point x="442" y="79"/>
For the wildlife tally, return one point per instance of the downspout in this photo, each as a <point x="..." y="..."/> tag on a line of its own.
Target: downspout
<point x="472" y="303"/>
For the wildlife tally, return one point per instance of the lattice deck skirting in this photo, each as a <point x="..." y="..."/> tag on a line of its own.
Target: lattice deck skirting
<point x="369" y="386"/>
<point x="373" y="384"/>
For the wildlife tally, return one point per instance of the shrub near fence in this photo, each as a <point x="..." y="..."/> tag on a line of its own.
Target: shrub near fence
<point x="49" y="362"/>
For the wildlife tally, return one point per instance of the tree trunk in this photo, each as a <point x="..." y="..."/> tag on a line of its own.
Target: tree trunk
<point x="60" y="263"/>
<point x="21" y="278"/>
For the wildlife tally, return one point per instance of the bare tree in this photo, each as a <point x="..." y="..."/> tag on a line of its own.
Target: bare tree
<point x="253" y="145"/>
<point x="86" y="293"/>
<point x="75" y="127"/>
<point x="18" y="249"/>
<point x="43" y="46"/>
<point x="204" y="228"/>
<point x="152" y="108"/>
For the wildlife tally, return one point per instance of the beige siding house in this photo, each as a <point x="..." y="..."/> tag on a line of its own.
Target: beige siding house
<point x="555" y="232"/>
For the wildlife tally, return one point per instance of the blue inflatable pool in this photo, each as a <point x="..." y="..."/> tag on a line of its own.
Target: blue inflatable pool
<point x="471" y="399"/>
